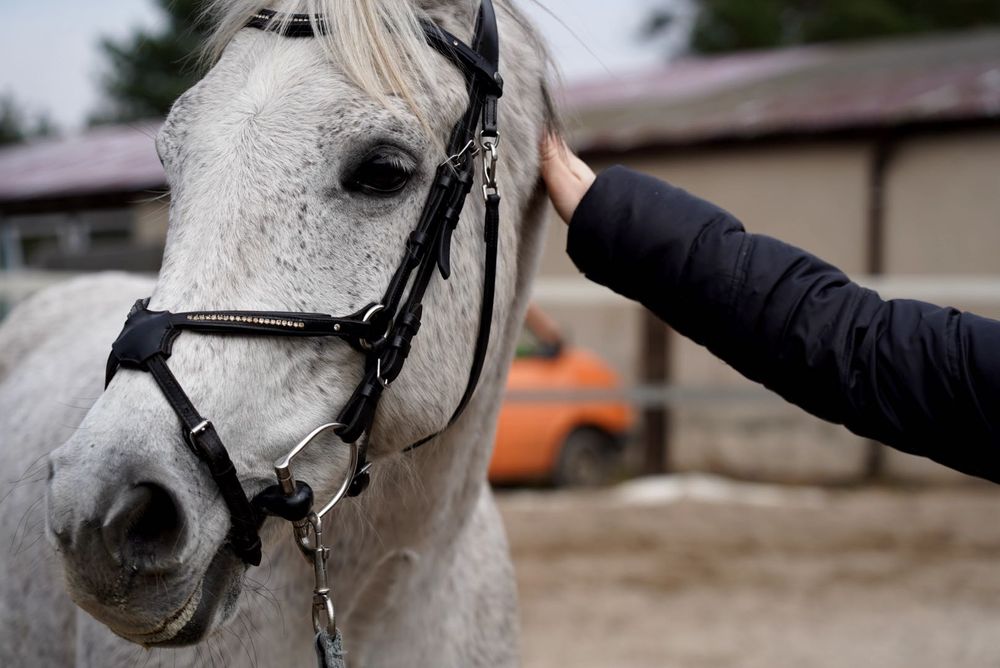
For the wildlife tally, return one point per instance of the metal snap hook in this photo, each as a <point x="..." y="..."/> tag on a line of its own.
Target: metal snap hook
<point x="324" y="617"/>
<point x="323" y="614"/>
<point x="491" y="156"/>
<point x="489" y="139"/>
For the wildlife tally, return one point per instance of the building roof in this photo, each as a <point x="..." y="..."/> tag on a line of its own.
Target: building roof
<point x="103" y="163"/>
<point x="800" y="91"/>
<point x="797" y="91"/>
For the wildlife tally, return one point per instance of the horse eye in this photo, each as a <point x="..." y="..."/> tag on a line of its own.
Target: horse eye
<point x="380" y="175"/>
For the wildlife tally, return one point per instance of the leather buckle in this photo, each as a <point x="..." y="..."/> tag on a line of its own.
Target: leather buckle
<point x="199" y="429"/>
<point x="192" y="437"/>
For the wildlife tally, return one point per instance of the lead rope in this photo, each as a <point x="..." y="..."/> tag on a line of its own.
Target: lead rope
<point x="307" y="527"/>
<point x="330" y="650"/>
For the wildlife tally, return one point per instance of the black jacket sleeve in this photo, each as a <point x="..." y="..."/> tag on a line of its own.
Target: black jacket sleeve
<point x="921" y="378"/>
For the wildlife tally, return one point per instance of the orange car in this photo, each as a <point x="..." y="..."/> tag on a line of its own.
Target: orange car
<point x="559" y="439"/>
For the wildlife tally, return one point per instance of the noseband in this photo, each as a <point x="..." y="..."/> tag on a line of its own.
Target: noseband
<point x="382" y="331"/>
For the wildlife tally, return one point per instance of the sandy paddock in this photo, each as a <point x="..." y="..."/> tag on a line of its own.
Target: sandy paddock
<point x="703" y="574"/>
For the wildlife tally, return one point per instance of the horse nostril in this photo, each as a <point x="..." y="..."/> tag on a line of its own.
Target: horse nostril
<point x="144" y="528"/>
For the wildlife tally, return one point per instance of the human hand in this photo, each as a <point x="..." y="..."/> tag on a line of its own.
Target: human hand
<point x="567" y="177"/>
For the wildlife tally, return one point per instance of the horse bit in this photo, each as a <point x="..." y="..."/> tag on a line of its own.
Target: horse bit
<point x="382" y="331"/>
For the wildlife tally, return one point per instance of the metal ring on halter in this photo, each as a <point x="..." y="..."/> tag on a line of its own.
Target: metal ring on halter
<point x="371" y="313"/>
<point x="286" y="479"/>
<point x="489" y="140"/>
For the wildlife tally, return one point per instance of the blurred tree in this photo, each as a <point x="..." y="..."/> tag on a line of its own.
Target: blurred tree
<point x="147" y="71"/>
<point x="15" y="125"/>
<point x="733" y="25"/>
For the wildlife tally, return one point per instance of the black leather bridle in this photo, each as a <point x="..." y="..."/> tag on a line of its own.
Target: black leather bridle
<point x="383" y="331"/>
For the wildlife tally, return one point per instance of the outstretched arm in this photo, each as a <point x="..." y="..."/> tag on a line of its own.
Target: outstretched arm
<point x="921" y="378"/>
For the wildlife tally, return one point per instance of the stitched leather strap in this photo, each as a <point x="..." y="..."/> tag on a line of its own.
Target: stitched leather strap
<point x="492" y="237"/>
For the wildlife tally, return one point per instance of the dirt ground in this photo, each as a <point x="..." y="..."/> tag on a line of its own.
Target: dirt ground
<point x="730" y="575"/>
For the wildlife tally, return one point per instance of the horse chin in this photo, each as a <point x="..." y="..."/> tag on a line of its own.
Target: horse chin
<point x="211" y="604"/>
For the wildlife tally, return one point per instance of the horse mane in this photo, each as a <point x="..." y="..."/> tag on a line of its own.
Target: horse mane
<point x="380" y="44"/>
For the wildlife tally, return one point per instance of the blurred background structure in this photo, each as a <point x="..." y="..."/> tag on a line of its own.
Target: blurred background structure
<point x="866" y="131"/>
<point x="882" y="157"/>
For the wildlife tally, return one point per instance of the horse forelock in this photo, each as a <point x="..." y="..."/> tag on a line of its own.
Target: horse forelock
<point x="379" y="44"/>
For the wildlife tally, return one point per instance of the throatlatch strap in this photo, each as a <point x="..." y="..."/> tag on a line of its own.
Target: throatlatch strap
<point x="492" y="236"/>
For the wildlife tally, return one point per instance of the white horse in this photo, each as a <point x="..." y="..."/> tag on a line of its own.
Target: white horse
<point x="258" y="156"/>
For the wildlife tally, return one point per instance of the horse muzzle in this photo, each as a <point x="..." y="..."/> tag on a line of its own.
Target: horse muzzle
<point x="134" y="548"/>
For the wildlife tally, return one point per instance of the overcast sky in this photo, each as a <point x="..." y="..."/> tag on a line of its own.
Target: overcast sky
<point x="51" y="59"/>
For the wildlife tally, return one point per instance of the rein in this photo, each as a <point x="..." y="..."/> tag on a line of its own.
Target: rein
<point x="382" y="331"/>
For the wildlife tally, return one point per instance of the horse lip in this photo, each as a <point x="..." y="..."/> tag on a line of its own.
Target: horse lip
<point x="172" y="625"/>
<point x="189" y="623"/>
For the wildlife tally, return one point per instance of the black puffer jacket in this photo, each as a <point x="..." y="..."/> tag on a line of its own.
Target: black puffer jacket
<point x="921" y="378"/>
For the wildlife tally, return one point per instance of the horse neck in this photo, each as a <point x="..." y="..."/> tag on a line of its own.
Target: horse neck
<point x="420" y="500"/>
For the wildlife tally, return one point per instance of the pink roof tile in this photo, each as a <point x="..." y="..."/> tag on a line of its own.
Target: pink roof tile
<point x="942" y="78"/>
<point x="114" y="159"/>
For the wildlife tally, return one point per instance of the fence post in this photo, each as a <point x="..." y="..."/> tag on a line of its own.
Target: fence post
<point x="654" y="360"/>
<point x="882" y="153"/>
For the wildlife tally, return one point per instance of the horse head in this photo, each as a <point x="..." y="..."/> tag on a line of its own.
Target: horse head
<point x="298" y="170"/>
